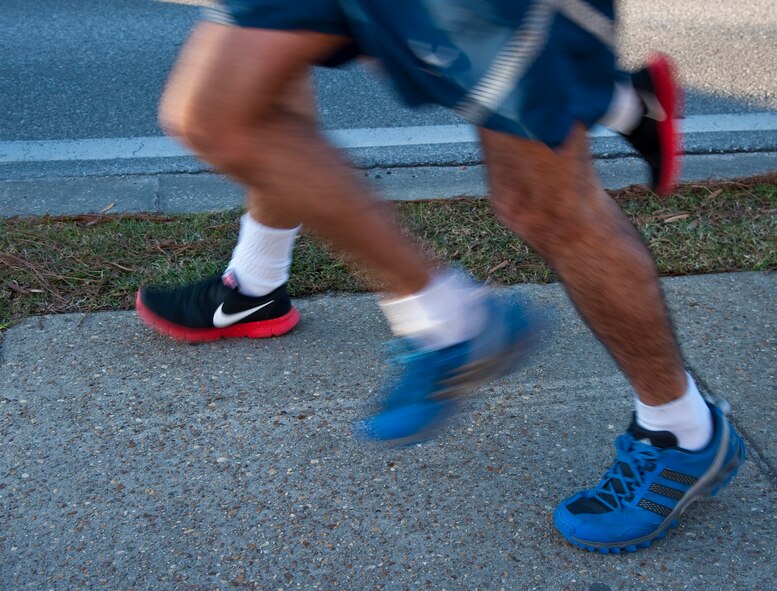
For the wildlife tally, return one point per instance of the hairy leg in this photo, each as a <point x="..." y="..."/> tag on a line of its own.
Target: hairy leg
<point x="226" y="100"/>
<point x="553" y="201"/>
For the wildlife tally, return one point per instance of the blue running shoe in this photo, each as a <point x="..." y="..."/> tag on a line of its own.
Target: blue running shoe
<point x="433" y="381"/>
<point x="648" y="487"/>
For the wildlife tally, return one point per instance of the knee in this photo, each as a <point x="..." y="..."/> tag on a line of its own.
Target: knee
<point x="538" y="218"/>
<point x="214" y="139"/>
<point x="557" y="222"/>
<point x="219" y="136"/>
<point x="177" y="117"/>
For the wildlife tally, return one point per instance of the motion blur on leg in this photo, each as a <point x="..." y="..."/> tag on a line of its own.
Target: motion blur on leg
<point x="249" y="298"/>
<point x="233" y="110"/>
<point x="533" y="75"/>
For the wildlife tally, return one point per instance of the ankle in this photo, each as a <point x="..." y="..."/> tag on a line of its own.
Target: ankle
<point x="449" y="310"/>
<point x="625" y="110"/>
<point x="262" y="257"/>
<point x="688" y="418"/>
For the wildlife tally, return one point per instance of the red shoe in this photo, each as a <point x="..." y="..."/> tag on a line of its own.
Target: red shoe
<point x="211" y="310"/>
<point x="657" y="137"/>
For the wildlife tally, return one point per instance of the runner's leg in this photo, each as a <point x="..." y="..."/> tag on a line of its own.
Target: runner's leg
<point x="225" y="104"/>
<point x="604" y="265"/>
<point x="261" y="259"/>
<point x="254" y="279"/>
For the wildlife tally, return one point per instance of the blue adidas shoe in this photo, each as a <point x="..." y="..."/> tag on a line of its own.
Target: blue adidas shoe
<point x="648" y="487"/>
<point x="433" y="381"/>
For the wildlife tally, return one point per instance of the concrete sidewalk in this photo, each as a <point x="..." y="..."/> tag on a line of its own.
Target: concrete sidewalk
<point x="133" y="462"/>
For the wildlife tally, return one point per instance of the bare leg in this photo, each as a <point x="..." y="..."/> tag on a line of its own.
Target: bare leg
<point x="553" y="201"/>
<point x="298" y="98"/>
<point x="225" y="100"/>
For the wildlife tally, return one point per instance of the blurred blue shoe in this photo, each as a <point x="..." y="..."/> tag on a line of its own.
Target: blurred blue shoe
<point x="433" y="381"/>
<point x="648" y="487"/>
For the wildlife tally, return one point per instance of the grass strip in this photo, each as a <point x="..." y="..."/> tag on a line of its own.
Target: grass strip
<point x="85" y="263"/>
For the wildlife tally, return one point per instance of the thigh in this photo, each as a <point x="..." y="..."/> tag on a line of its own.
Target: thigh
<point x="320" y="16"/>
<point x="520" y="169"/>
<point x="238" y="74"/>
<point x="547" y="196"/>
<point x="317" y="16"/>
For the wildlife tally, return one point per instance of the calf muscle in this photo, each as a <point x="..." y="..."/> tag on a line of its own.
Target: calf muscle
<point x="554" y="202"/>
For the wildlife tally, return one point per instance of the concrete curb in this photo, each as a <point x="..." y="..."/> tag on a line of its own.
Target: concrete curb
<point x="184" y="193"/>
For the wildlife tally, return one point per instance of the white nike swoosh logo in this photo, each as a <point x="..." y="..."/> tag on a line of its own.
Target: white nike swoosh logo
<point x="221" y="320"/>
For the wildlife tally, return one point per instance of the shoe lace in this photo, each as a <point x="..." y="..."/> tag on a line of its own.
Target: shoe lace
<point x="627" y="474"/>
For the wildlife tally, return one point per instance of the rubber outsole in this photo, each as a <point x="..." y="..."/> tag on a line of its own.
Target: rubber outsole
<point x="252" y="330"/>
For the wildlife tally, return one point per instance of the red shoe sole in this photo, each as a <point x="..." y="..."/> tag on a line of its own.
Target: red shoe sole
<point x="252" y="330"/>
<point x="669" y="95"/>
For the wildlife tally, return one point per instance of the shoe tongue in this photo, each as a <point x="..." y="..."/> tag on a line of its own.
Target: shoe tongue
<point x="661" y="439"/>
<point x="230" y="280"/>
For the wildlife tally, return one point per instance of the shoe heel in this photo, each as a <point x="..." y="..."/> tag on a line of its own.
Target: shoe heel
<point x="728" y="472"/>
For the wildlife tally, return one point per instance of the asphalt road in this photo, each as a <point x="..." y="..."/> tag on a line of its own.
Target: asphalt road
<point x="95" y="69"/>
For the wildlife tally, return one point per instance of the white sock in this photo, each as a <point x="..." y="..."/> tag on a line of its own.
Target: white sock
<point x="449" y="310"/>
<point x="625" y="109"/>
<point x="262" y="257"/>
<point x="688" y="418"/>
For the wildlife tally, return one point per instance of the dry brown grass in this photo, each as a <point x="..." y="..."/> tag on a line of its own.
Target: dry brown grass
<point x="56" y="264"/>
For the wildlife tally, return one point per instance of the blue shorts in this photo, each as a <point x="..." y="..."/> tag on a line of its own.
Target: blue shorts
<point x="320" y="16"/>
<point x="532" y="68"/>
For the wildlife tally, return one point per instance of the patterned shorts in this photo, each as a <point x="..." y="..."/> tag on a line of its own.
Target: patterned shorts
<point x="532" y="68"/>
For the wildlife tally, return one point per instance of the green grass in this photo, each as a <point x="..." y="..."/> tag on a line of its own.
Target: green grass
<point x="96" y="262"/>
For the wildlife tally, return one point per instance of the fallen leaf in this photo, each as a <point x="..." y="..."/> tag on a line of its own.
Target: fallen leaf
<point x="118" y="266"/>
<point x="677" y="218"/>
<point x="501" y="265"/>
<point x="108" y="207"/>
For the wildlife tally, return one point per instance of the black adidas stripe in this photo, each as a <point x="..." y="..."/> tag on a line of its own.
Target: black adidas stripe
<point x="666" y="491"/>
<point x="678" y="477"/>
<point x="655" y="507"/>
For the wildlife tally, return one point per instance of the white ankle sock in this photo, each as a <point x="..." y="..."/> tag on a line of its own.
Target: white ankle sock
<point x="449" y="310"/>
<point x="625" y="109"/>
<point x="688" y="418"/>
<point x="262" y="257"/>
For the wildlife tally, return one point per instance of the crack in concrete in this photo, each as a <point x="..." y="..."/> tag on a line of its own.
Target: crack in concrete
<point x="757" y="454"/>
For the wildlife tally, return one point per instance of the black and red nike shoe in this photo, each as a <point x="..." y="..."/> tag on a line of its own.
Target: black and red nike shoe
<point x="211" y="309"/>
<point x="657" y="137"/>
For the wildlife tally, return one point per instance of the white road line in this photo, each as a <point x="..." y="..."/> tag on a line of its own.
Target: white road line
<point x="18" y="152"/>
